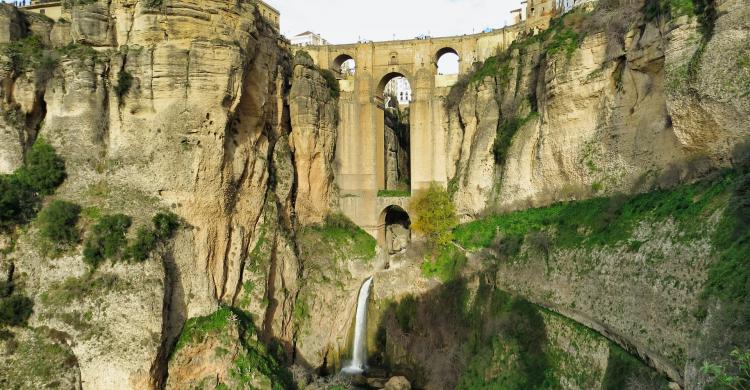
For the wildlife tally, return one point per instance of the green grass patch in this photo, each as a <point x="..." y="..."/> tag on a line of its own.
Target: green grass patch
<point x="729" y="277"/>
<point x="338" y="237"/>
<point x="394" y="193"/>
<point x="446" y="265"/>
<point x="253" y="364"/>
<point x="604" y="221"/>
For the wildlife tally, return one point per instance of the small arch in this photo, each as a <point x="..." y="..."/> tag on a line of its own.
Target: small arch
<point x="395" y="230"/>
<point x="344" y="65"/>
<point x="447" y="61"/>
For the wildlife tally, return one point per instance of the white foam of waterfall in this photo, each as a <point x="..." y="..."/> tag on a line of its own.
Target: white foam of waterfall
<point x="359" y="357"/>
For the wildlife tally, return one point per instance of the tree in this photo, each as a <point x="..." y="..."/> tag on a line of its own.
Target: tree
<point x="434" y="216"/>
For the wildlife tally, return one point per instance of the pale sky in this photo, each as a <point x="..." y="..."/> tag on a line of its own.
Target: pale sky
<point x="347" y="21"/>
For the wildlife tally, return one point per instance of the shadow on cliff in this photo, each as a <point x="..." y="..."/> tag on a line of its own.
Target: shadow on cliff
<point x="456" y="333"/>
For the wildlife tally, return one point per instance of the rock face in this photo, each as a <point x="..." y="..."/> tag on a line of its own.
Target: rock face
<point x="182" y="106"/>
<point x="619" y="112"/>
<point x="197" y="107"/>
<point x="313" y="140"/>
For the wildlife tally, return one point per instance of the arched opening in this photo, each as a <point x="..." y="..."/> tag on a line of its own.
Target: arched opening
<point x="394" y="136"/>
<point x="447" y="60"/>
<point x="344" y="65"/>
<point x="396" y="233"/>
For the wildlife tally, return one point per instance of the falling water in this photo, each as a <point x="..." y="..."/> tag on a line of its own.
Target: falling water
<point x="357" y="366"/>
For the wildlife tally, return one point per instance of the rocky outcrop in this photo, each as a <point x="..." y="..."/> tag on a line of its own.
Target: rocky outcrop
<point x="652" y="103"/>
<point x="313" y="140"/>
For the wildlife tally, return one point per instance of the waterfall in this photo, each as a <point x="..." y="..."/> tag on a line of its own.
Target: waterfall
<point x="359" y="358"/>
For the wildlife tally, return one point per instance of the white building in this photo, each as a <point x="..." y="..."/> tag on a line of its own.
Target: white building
<point x="308" y="38"/>
<point x="400" y="88"/>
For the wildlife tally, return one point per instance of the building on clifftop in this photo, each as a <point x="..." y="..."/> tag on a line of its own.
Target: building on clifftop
<point x="48" y="8"/>
<point x="270" y="14"/>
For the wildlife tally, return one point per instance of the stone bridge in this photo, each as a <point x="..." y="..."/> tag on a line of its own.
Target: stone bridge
<point x="360" y="154"/>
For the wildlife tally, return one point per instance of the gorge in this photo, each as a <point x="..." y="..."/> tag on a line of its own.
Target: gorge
<point x="189" y="201"/>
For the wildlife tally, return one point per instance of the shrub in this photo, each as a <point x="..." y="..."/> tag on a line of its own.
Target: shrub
<point x="106" y="240"/>
<point x="165" y="225"/>
<point x="42" y="172"/>
<point x="145" y="243"/>
<point x="332" y="82"/>
<point x="15" y="310"/>
<point x="17" y="202"/>
<point x="506" y="130"/>
<point x="434" y="216"/>
<point x="124" y="82"/>
<point x="146" y="240"/>
<point x="57" y="222"/>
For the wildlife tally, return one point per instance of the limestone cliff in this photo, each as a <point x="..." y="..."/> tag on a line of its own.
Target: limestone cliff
<point x="615" y="101"/>
<point x="180" y="106"/>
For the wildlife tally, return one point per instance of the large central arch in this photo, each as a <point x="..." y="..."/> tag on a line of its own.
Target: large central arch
<point x="380" y="146"/>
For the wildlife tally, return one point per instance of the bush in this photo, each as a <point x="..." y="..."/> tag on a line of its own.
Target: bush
<point x="57" y="223"/>
<point x="15" y="310"/>
<point x="106" y="240"/>
<point x="57" y="227"/>
<point x="434" y="216"/>
<point x="146" y="240"/>
<point x="506" y="130"/>
<point x="165" y="225"/>
<point x="332" y="82"/>
<point x="124" y="83"/>
<point x="42" y="172"/>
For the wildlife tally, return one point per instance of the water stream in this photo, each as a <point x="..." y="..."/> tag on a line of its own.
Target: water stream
<point x="359" y="357"/>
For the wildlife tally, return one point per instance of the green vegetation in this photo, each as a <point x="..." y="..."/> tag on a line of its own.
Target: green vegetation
<point x="604" y="221"/>
<point x="253" y="363"/>
<point x="332" y="82"/>
<point x="623" y="369"/>
<point x="75" y="289"/>
<point x="37" y="358"/>
<point x="57" y="225"/>
<point x="15" y="310"/>
<point x="146" y="240"/>
<point x="394" y="193"/>
<point x="27" y="54"/>
<point x="516" y="356"/>
<point x="338" y="237"/>
<point x="565" y="41"/>
<point x="506" y="130"/>
<point x="729" y="278"/>
<point x="21" y="191"/>
<point x="446" y="265"/>
<point x="106" y="240"/>
<point x="434" y="216"/>
<point x="124" y="83"/>
<point x="736" y="381"/>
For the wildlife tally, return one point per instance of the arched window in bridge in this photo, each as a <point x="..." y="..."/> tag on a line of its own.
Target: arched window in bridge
<point x="395" y="171"/>
<point x="447" y="61"/>
<point x="344" y="65"/>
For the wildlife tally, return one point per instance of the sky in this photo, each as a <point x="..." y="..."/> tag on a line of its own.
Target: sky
<point x="348" y="21"/>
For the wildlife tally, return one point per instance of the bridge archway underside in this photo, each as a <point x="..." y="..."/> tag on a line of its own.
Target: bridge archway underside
<point x="361" y="124"/>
